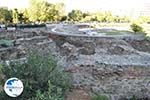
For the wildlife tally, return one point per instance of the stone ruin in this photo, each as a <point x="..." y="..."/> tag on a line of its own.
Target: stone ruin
<point x="113" y="66"/>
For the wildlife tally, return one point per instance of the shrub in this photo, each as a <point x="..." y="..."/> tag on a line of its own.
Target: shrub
<point x="100" y="97"/>
<point x="38" y="74"/>
<point x="50" y="94"/>
<point x="136" y="28"/>
<point x="6" y="43"/>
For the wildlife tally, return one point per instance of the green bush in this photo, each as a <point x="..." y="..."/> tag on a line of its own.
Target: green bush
<point x="40" y="76"/>
<point x="136" y="28"/>
<point x="100" y="97"/>
<point x="50" y="94"/>
<point x="6" y="43"/>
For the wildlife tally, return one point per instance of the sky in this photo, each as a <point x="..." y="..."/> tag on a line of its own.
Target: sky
<point x="84" y="5"/>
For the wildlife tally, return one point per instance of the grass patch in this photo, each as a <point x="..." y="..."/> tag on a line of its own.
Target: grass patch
<point x="147" y="37"/>
<point x="114" y="31"/>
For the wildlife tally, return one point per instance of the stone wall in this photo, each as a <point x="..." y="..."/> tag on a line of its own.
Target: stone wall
<point x="110" y="66"/>
<point x="105" y="65"/>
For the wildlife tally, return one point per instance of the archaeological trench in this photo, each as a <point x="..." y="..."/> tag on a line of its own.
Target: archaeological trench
<point x="116" y="66"/>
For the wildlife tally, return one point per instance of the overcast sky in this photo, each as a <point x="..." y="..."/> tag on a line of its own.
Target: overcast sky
<point x="84" y="5"/>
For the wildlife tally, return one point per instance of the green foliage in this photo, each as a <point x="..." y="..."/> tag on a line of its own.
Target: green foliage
<point x="41" y="10"/>
<point x="5" y="15"/>
<point x="147" y="38"/>
<point x="40" y="76"/>
<point x="100" y="97"/>
<point x="105" y="17"/>
<point x="15" y="16"/>
<point x="133" y="98"/>
<point x="100" y="17"/>
<point x="136" y="28"/>
<point x="21" y="18"/>
<point x="26" y="15"/>
<point x="52" y="94"/>
<point x="64" y="18"/>
<point x="6" y="43"/>
<point x="143" y="19"/>
<point x="75" y="15"/>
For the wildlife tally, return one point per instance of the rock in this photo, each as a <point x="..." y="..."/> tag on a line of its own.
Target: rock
<point x="69" y="47"/>
<point x="21" y="51"/>
<point x="87" y="49"/>
<point x="70" y="51"/>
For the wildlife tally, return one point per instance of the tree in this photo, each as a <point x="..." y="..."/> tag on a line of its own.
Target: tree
<point x="15" y="16"/>
<point x="20" y="17"/>
<point x="125" y="19"/>
<point x="34" y="10"/>
<point x="26" y="15"/>
<point x="108" y="16"/>
<point x="143" y="19"/>
<point x="60" y="8"/>
<point x="100" y="16"/>
<point x="87" y="16"/>
<point x="64" y="18"/>
<point x="116" y="19"/>
<point x="43" y="11"/>
<point x="5" y="15"/>
<point x="54" y="12"/>
<point x="75" y="15"/>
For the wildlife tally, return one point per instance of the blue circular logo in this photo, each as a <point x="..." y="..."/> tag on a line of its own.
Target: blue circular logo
<point x="13" y="87"/>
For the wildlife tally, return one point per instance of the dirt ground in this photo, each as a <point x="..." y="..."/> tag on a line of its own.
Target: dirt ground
<point x="78" y="95"/>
